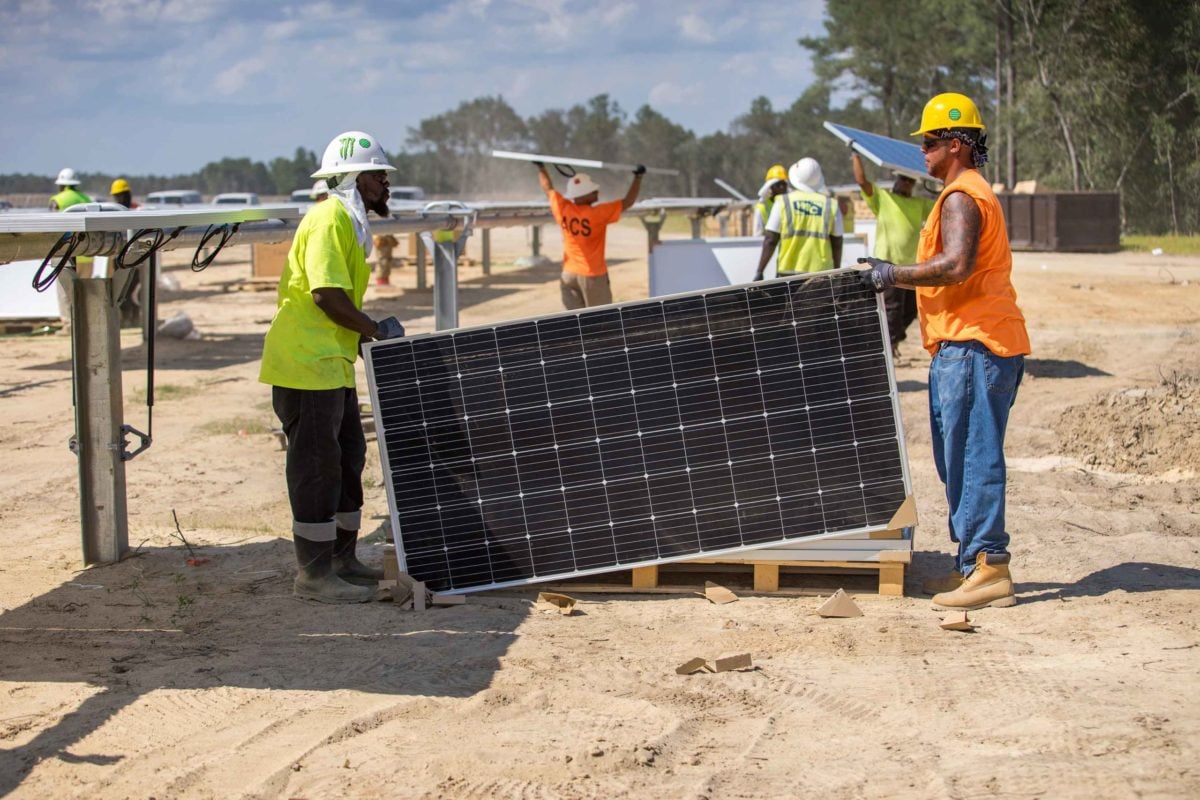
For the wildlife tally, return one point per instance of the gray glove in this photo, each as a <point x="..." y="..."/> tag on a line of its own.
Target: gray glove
<point x="388" y="328"/>
<point x="880" y="276"/>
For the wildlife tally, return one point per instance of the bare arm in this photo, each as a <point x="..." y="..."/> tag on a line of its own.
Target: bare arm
<point x="338" y="306"/>
<point x="961" y="222"/>
<point x="770" y="241"/>
<point x="860" y="177"/>
<point x="544" y="179"/>
<point x="631" y="196"/>
<point x="836" y="243"/>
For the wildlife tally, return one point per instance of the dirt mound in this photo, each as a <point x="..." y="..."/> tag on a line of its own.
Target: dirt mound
<point x="1147" y="431"/>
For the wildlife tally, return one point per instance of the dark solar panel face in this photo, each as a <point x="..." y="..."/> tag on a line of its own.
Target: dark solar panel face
<point x="888" y="153"/>
<point x="625" y="435"/>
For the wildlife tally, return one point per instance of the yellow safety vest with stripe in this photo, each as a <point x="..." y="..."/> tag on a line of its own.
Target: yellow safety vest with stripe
<point x="805" y="228"/>
<point x="763" y="209"/>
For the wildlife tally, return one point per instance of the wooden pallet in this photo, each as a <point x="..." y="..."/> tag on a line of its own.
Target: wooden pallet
<point x="9" y="327"/>
<point x="889" y="571"/>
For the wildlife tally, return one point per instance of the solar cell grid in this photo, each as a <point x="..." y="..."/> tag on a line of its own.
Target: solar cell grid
<point x="629" y="434"/>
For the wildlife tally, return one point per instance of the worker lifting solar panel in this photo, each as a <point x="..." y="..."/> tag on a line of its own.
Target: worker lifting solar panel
<point x="694" y="425"/>
<point x="893" y="154"/>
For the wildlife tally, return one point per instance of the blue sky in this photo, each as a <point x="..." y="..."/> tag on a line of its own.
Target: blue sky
<point x="164" y="86"/>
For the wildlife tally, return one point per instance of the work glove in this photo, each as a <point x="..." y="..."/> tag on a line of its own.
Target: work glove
<point x="538" y="164"/>
<point x="880" y="276"/>
<point x="388" y="328"/>
<point x="639" y="170"/>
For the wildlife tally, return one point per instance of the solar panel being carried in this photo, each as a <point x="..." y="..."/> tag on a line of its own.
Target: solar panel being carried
<point x="622" y="436"/>
<point x="893" y="154"/>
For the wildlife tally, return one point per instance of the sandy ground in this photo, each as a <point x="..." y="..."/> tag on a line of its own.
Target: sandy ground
<point x="152" y="678"/>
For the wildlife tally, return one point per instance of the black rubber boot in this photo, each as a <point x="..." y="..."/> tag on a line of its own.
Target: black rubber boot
<point x="315" y="579"/>
<point x="346" y="563"/>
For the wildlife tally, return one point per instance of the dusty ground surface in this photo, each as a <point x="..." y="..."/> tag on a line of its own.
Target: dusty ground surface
<point x="152" y="678"/>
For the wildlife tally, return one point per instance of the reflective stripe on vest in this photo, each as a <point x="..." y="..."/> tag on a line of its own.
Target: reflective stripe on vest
<point x="804" y="244"/>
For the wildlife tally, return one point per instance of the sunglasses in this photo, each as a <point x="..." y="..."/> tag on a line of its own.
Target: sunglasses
<point x="932" y="142"/>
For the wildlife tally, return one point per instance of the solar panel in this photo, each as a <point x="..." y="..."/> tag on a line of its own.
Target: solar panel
<point x="620" y="436"/>
<point x="894" y="154"/>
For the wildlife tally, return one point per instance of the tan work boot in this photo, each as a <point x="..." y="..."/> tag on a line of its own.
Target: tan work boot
<point x="947" y="583"/>
<point x="989" y="585"/>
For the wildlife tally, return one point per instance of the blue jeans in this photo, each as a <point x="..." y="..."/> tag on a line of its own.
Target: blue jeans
<point x="970" y="393"/>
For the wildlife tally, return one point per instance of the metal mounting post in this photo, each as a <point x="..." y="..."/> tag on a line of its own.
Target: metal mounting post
<point x="422" y="283"/>
<point x="487" y="250"/>
<point x="536" y="241"/>
<point x="695" y="220"/>
<point x="653" y="224"/>
<point x="99" y="438"/>
<point x="445" y="279"/>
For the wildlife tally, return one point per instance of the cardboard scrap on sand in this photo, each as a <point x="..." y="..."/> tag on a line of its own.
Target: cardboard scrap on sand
<point x="553" y="601"/>
<point x="957" y="621"/>
<point x="716" y="593"/>
<point x="840" y="605"/>
<point x="728" y="664"/>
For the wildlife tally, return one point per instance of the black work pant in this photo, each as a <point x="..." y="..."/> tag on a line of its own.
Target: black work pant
<point x="901" y="305"/>
<point x="326" y="453"/>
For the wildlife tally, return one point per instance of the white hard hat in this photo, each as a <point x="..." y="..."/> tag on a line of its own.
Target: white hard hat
<point x="352" y="151"/>
<point x="580" y="185"/>
<point x="66" y="177"/>
<point x="320" y="187"/>
<point x="806" y="174"/>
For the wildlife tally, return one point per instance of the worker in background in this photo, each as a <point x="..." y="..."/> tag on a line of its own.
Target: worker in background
<point x="130" y="311"/>
<point x="584" y="280"/>
<point x="122" y="194"/>
<point x="320" y="191"/>
<point x="308" y="359"/>
<point x="806" y="225"/>
<point x="774" y="185"/>
<point x="68" y="195"/>
<point x="385" y="245"/>
<point x="972" y="326"/>
<point x="898" y="220"/>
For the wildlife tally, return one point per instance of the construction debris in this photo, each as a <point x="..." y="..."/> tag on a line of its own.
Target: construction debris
<point x="552" y="601"/>
<point x="957" y="621"/>
<point x="716" y="593"/>
<point x="839" y="605"/>
<point x="727" y="664"/>
<point x="691" y="665"/>
<point x="448" y="599"/>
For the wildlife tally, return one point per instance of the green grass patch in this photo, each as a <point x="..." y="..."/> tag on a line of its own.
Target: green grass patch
<point x="235" y="426"/>
<point x="163" y="391"/>
<point x="1171" y="245"/>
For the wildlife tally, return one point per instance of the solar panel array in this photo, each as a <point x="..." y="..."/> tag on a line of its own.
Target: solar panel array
<point x="627" y="435"/>
<point x="893" y="154"/>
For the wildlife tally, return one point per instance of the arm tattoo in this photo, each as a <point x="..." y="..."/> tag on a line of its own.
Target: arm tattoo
<point x="961" y="222"/>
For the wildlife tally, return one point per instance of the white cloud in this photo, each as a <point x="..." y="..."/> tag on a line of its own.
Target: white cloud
<point x="669" y="93"/>
<point x="616" y="14"/>
<point x="233" y="80"/>
<point x="695" y="29"/>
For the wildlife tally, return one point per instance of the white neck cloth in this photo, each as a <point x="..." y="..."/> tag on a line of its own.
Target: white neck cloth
<point x="346" y="192"/>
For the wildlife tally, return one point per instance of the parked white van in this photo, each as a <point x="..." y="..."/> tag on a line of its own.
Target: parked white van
<point x="174" y="197"/>
<point x="236" y="199"/>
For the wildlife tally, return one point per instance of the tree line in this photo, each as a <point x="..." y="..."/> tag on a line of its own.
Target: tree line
<point x="1078" y="95"/>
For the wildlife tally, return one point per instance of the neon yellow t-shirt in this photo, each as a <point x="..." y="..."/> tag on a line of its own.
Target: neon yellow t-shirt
<point x="304" y="348"/>
<point x="898" y="221"/>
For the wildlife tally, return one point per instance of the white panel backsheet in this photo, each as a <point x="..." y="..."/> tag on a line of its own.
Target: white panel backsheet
<point x="18" y="298"/>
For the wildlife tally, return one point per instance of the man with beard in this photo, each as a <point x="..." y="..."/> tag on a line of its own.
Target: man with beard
<point x="308" y="359"/>
<point x="973" y="328"/>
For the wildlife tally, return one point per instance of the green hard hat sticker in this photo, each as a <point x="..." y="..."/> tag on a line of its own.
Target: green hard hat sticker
<point x="955" y="115"/>
<point x="367" y="142"/>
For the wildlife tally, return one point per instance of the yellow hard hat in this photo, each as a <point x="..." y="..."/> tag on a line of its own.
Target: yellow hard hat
<point x="949" y="110"/>
<point x="119" y="185"/>
<point x="776" y="173"/>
